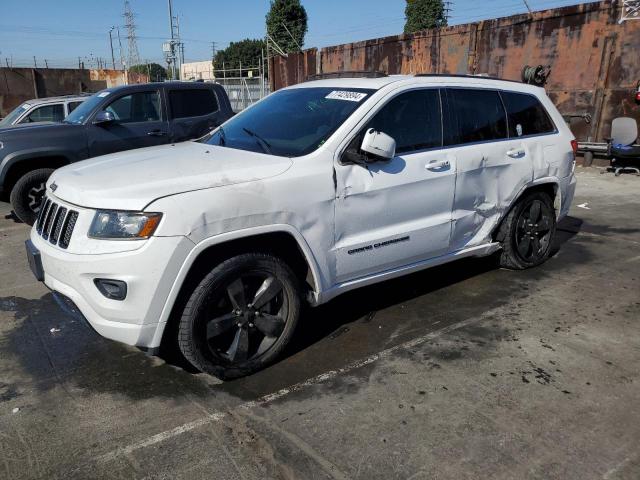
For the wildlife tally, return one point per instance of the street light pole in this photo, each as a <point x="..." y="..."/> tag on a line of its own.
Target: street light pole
<point x="113" y="59"/>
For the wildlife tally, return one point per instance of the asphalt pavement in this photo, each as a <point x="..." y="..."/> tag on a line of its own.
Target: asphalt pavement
<point x="461" y="371"/>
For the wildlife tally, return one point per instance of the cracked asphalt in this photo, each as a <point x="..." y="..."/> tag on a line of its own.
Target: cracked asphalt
<point x="462" y="371"/>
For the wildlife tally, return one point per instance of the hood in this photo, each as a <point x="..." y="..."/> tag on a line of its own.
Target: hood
<point x="133" y="179"/>
<point x="33" y="128"/>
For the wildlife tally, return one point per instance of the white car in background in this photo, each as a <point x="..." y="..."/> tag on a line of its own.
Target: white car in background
<point x="50" y="109"/>
<point x="317" y="189"/>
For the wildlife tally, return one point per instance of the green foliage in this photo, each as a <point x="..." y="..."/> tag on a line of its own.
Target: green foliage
<point x="156" y="72"/>
<point x="246" y="52"/>
<point x="292" y="14"/>
<point x="424" y="14"/>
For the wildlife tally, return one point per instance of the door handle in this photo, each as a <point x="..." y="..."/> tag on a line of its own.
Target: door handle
<point x="436" y="164"/>
<point x="516" y="153"/>
<point x="156" y="133"/>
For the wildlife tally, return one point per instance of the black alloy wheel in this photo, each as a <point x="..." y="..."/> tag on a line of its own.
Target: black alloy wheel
<point x="533" y="231"/>
<point x="526" y="233"/>
<point x="241" y="316"/>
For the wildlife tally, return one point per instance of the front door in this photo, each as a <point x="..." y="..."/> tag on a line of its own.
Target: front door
<point x="394" y="213"/>
<point x="139" y="122"/>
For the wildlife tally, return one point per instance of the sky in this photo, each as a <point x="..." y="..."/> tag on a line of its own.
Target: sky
<point x="60" y="31"/>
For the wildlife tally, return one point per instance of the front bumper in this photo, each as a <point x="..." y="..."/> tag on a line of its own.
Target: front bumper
<point x="149" y="272"/>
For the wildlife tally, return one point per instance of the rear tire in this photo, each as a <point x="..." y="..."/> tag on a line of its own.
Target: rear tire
<point x="26" y="195"/>
<point x="527" y="232"/>
<point x="241" y="316"/>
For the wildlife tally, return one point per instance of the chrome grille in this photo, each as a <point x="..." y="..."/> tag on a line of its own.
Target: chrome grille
<point x="56" y="223"/>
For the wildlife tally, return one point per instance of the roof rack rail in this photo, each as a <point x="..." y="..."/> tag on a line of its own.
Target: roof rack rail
<point x="462" y="75"/>
<point x="347" y="74"/>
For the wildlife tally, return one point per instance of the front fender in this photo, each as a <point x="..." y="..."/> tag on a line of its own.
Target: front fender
<point x="13" y="158"/>
<point x="224" y="238"/>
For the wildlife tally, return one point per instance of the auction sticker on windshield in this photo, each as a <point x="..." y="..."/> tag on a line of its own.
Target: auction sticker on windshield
<point x="346" y="95"/>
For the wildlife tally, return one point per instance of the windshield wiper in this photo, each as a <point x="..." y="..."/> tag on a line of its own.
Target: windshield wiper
<point x="261" y="141"/>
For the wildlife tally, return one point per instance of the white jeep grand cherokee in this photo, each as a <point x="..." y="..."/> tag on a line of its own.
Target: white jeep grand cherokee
<point x="318" y="189"/>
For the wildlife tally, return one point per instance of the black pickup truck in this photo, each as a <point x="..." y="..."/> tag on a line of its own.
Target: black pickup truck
<point x="112" y="120"/>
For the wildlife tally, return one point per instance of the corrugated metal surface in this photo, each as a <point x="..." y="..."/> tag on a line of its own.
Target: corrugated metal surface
<point x="594" y="60"/>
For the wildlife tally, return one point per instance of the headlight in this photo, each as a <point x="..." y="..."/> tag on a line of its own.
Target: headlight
<point x="124" y="225"/>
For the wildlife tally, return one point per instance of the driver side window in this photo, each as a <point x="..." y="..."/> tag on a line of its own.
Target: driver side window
<point x="136" y="107"/>
<point x="413" y="119"/>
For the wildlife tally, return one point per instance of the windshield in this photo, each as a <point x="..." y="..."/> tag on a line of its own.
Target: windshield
<point x="9" y="119"/>
<point x="290" y="123"/>
<point x="83" y="111"/>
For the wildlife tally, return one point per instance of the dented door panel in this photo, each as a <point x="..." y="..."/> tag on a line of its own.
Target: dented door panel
<point x="390" y="214"/>
<point x="490" y="176"/>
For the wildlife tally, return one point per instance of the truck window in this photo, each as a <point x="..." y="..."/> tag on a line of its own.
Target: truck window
<point x="136" y="107"/>
<point x="46" y="113"/>
<point x="72" y="106"/>
<point x="479" y="113"/>
<point x="526" y="114"/>
<point x="192" y="102"/>
<point x="413" y="119"/>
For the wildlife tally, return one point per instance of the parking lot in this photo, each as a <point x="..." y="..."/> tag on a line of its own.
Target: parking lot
<point x="462" y="371"/>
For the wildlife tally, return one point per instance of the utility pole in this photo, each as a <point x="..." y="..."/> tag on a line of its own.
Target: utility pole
<point x="120" y="48"/>
<point x="213" y="50"/>
<point x="35" y="64"/>
<point x="171" y="57"/>
<point x="113" y="59"/>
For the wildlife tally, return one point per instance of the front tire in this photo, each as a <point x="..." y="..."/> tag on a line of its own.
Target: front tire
<point x="527" y="232"/>
<point x="241" y="316"/>
<point x="26" y="195"/>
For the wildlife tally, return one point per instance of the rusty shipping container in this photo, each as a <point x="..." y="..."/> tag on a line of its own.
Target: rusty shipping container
<point x="594" y="60"/>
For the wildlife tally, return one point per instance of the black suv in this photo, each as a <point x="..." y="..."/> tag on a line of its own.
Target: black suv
<point x="112" y="120"/>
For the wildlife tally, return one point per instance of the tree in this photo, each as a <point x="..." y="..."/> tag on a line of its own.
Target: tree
<point x="246" y="52"/>
<point x="424" y="14"/>
<point x="287" y="15"/>
<point x="156" y="72"/>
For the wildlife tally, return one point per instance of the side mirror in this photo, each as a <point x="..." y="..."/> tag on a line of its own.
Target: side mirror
<point x="103" y="118"/>
<point x="379" y="145"/>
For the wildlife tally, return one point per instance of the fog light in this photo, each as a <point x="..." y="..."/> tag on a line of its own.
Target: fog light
<point x="112" y="289"/>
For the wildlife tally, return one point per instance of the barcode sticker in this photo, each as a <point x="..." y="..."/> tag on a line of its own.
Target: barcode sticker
<point x="346" y="95"/>
<point x="103" y="94"/>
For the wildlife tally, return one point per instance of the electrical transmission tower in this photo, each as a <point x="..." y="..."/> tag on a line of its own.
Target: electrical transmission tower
<point x="134" y="56"/>
<point x="447" y="10"/>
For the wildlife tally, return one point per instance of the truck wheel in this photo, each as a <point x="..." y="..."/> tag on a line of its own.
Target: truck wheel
<point x="26" y="195"/>
<point x="527" y="232"/>
<point x="241" y="316"/>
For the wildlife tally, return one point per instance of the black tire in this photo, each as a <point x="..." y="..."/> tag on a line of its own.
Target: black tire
<point x="223" y="333"/>
<point x="526" y="241"/>
<point x="26" y="195"/>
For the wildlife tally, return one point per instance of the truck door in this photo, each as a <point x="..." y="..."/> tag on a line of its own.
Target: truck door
<point x="139" y="122"/>
<point x="193" y="112"/>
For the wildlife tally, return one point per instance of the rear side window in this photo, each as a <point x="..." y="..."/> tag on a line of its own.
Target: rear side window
<point x="192" y="103"/>
<point x="413" y="119"/>
<point x="526" y="114"/>
<point x="479" y="114"/>
<point x="72" y="106"/>
<point x="46" y="113"/>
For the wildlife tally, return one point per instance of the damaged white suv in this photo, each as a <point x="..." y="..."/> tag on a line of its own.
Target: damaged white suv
<point x="317" y="189"/>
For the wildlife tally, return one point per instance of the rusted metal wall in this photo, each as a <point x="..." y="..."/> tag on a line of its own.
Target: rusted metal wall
<point x="18" y="85"/>
<point x="595" y="62"/>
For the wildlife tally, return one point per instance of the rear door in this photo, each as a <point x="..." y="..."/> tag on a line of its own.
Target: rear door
<point x="139" y="122"/>
<point x="193" y="112"/>
<point x="492" y="167"/>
